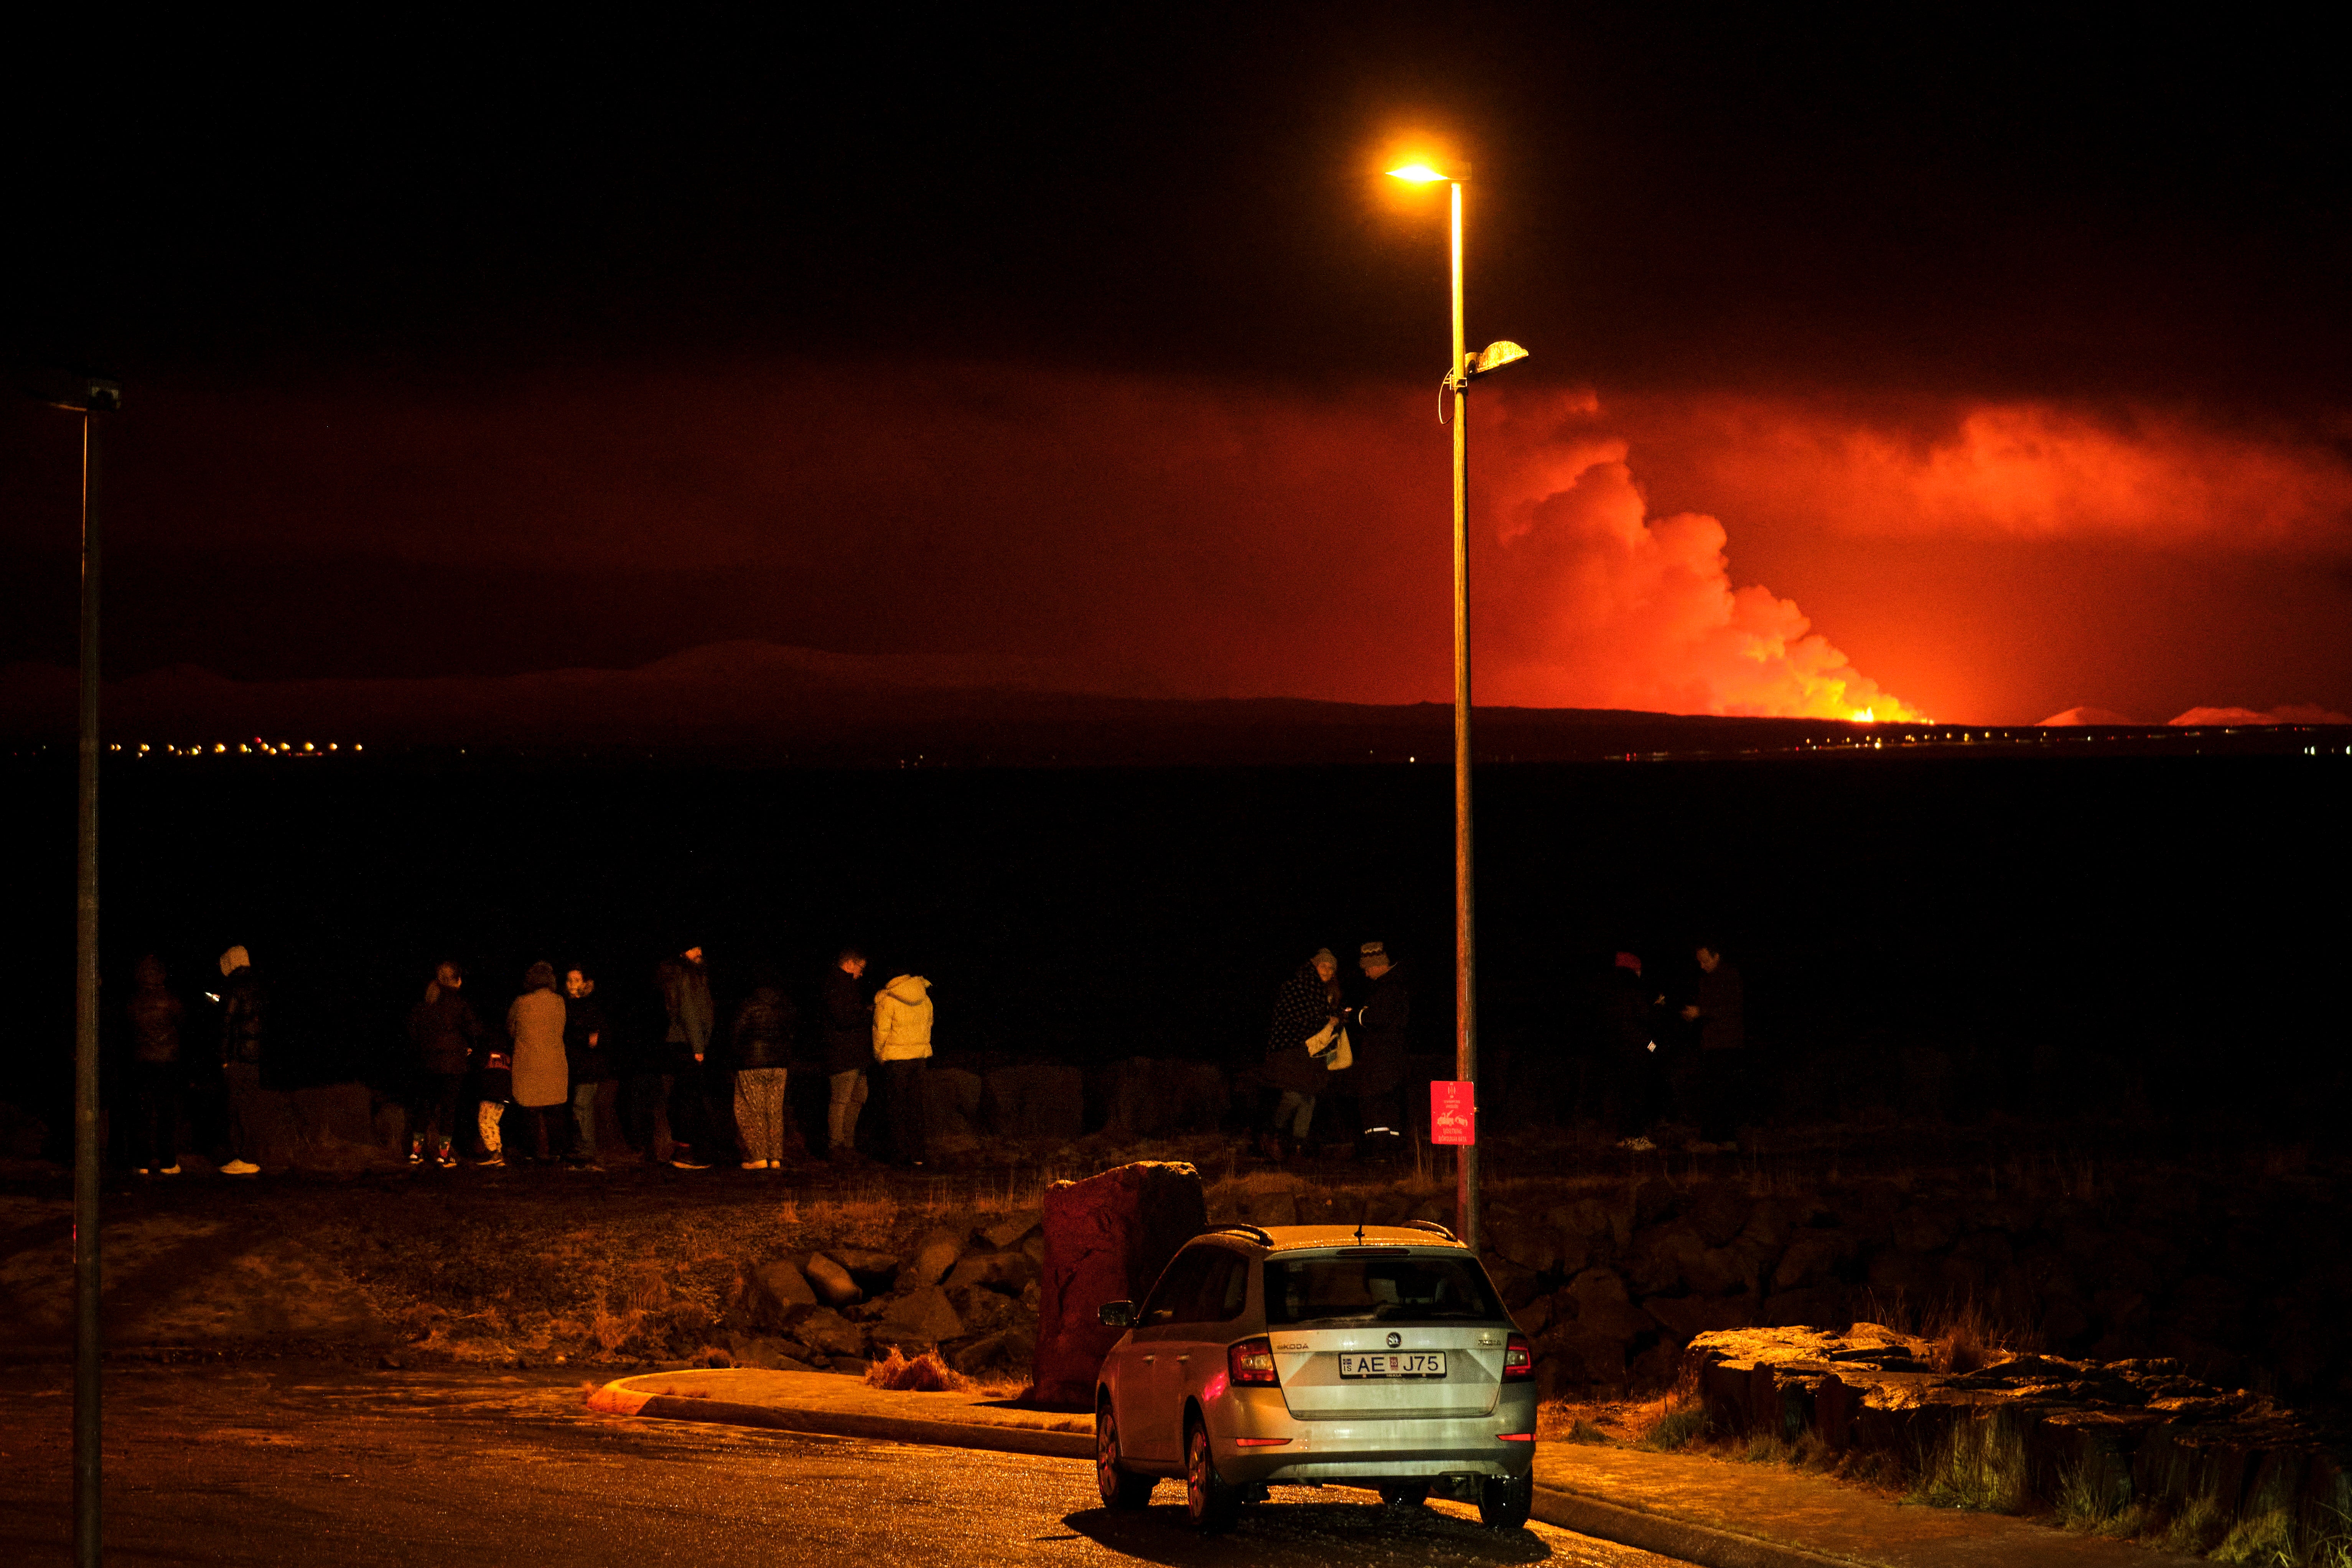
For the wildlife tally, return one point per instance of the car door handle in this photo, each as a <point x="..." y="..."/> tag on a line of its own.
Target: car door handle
<point x="1183" y="1358"/>
<point x="1149" y="1359"/>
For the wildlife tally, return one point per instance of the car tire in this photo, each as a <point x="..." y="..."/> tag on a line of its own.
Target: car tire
<point x="1121" y="1488"/>
<point x="1405" y="1494"/>
<point x="1504" y="1501"/>
<point x="1211" y="1502"/>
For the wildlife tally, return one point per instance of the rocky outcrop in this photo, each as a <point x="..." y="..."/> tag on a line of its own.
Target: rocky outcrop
<point x="1105" y="1239"/>
<point x="2129" y="1431"/>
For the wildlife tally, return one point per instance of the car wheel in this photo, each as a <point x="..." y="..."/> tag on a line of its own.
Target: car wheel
<point x="1210" y="1501"/>
<point x="1505" y="1502"/>
<point x="1120" y="1489"/>
<point x="1408" y="1495"/>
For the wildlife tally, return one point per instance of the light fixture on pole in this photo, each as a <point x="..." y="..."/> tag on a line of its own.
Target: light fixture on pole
<point x="89" y="397"/>
<point x="1464" y="368"/>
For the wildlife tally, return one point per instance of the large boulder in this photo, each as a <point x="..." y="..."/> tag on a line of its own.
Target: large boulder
<point x="1036" y="1102"/>
<point x="922" y="1317"/>
<point x="935" y="1253"/>
<point x="998" y="1351"/>
<point x="834" y="1285"/>
<point x="875" y="1272"/>
<point x="984" y="1311"/>
<point x="1009" y="1232"/>
<point x="1008" y="1271"/>
<point x="763" y="1296"/>
<point x="1107" y="1239"/>
<point x="827" y="1333"/>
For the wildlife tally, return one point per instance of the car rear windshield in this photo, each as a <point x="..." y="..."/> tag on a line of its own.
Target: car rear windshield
<point x="1377" y="1285"/>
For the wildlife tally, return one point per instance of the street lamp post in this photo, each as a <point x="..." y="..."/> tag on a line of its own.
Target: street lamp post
<point x="1464" y="368"/>
<point x="89" y="398"/>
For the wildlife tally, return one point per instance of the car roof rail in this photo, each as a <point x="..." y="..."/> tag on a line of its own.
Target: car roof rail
<point x="1430" y="1225"/>
<point x="1254" y="1233"/>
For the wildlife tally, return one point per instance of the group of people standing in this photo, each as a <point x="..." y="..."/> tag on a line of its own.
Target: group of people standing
<point x="223" y="1078"/>
<point x="1644" y="1059"/>
<point x="559" y="1051"/>
<point x="1658" y="1059"/>
<point x="543" y="1080"/>
<point x="1320" y="1043"/>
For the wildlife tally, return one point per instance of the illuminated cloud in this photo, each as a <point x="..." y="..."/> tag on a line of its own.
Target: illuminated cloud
<point x="2020" y="470"/>
<point x="1603" y="606"/>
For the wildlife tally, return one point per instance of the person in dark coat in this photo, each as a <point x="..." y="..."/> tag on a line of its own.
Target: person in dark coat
<point x="446" y="1031"/>
<point x="588" y="1056"/>
<point x="686" y="1049"/>
<point x="848" y="1047"/>
<point x="244" y="1017"/>
<point x="1308" y="1001"/>
<point x="155" y="1070"/>
<point x="1634" y="1075"/>
<point x="762" y="1041"/>
<point x="1381" y="1041"/>
<point x="1720" y="1011"/>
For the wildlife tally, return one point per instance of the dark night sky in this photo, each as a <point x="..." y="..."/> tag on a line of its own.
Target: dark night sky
<point x="2009" y="351"/>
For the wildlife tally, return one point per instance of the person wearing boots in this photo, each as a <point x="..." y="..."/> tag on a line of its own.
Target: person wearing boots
<point x="446" y="1031"/>
<point x="155" y="1068"/>
<point x="244" y="1017"/>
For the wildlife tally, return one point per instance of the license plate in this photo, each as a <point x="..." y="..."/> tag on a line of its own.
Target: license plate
<point x="1392" y="1363"/>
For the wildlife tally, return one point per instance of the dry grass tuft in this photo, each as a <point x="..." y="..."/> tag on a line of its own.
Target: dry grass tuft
<point x="927" y="1374"/>
<point x="1979" y="1466"/>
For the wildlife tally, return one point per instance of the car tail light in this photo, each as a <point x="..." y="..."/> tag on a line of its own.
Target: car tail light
<point x="1518" y="1360"/>
<point x="1514" y="1436"/>
<point x="1250" y="1361"/>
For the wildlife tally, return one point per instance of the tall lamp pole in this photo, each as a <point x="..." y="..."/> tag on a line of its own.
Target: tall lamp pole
<point x="1465" y="367"/>
<point x="91" y="398"/>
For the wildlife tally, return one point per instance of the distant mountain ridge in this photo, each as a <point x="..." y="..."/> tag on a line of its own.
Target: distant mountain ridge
<point x="758" y="701"/>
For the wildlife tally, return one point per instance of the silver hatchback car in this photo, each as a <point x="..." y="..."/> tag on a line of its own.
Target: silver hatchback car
<point x="1376" y="1356"/>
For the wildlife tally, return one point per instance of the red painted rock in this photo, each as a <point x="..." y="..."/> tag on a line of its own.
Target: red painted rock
<point x="1107" y="1239"/>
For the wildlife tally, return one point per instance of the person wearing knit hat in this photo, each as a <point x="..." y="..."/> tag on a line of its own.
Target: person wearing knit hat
<point x="1308" y="1004"/>
<point x="244" y="1010"/>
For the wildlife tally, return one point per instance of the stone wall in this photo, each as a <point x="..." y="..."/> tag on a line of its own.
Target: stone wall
<point x="2237" y="1278"/>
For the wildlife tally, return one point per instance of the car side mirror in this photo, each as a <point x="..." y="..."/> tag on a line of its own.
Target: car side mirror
<point x="1117" y="1314"/>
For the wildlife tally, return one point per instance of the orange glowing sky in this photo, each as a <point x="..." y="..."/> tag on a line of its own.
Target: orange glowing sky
<point x="1878" y="366"/>
<point x="1697" y="553"/>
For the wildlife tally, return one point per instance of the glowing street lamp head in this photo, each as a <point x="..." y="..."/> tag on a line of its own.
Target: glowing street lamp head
<point x="1422" y="174"/>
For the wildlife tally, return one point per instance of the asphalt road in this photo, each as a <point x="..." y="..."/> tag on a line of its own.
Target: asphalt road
<point x="295" y="1463"/>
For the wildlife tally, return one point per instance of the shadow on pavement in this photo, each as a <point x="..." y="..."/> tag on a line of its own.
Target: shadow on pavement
<point x="1318" y="1532"/>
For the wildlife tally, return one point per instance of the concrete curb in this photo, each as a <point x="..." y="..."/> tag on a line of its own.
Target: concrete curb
<point x="1709" y="1546"/>
<point x="614" y="1400"/>
<point x="1706" y="1545"/>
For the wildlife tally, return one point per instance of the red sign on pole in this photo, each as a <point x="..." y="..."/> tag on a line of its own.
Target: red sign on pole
<point x="1453" y="1111"/>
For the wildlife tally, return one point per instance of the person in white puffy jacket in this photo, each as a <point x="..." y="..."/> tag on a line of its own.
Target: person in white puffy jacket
<point x="902" y="1043"/>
